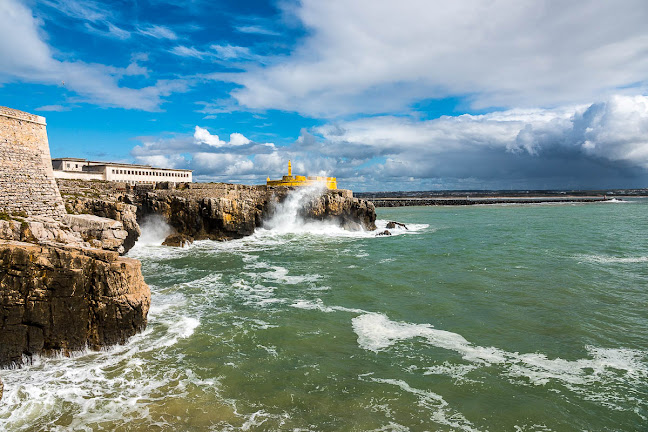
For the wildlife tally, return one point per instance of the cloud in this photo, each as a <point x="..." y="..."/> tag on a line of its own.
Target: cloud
<point x="210" y="157"/>
<point x="27" y="58"/>
<point x="184" y="51"/>
<point x="157" y="32"/>
<point x="216" y="52"/>
<point x="256" y="29"/>
<point x="579" y="146"/>
<point x="599" y="145"/>
<point x="55" y="108"/>
<point x="374" y="56"/>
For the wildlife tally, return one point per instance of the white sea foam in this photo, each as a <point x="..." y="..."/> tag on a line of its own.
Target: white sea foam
<point x="605" y="259"/>
<point x="441" y="412"/>
<point x="377" y="333"/>
<point x="319" y="305"/>
<point x="154" y="230"/>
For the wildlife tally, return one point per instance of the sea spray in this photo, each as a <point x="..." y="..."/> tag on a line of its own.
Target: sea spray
<point x="154" y="230"/>
<point x="286" y="217"/>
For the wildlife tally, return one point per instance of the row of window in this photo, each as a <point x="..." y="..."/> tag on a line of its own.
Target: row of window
<point x="150" y="173"/>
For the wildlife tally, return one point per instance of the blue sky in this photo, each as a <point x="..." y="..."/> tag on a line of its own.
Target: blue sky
<point x="408" y="95"/>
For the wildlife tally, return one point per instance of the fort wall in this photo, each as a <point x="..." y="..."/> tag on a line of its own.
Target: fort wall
<point x="26" y="176"/>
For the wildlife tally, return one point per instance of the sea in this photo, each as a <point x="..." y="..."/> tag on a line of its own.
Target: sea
<point x="473" y="318"/>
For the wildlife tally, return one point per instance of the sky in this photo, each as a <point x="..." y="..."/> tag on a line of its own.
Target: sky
<point x="382" y="94"/>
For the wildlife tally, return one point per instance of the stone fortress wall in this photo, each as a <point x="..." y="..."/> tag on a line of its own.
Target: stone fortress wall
<point x="26" y="176"/>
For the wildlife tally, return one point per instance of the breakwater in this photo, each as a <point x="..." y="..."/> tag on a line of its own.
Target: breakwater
<point x="454" y="201"/>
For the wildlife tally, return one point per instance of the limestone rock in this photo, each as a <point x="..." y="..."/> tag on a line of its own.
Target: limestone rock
<point x="111" y="208"/>
<point x="63" y="299"/>
<point x="109" y="232"/>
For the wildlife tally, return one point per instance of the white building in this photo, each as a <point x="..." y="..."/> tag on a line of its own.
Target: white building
<point x="82" y="169"/>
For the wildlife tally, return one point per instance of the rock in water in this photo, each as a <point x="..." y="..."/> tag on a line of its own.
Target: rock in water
<point x="392" y="225"/>
<point x="177" y="240"/>
<point x="64" y="299"/>
<point x="384" y="233"/>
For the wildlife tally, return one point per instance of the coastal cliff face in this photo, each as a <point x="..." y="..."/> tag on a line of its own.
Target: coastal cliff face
<point x="351" y="213"/>
<point x="63" y="299"/>
<point x="63" y="285"/>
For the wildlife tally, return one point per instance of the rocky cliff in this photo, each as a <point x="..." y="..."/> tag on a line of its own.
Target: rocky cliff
<point x="216" y="211"/>
<point x="63" y="285"/>
<point x="63" y="299"/>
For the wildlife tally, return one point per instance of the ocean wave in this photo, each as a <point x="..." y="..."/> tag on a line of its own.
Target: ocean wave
<point x="376" y="332"/>
<point x="441" y="412"/>
<point x="605" y="259"/>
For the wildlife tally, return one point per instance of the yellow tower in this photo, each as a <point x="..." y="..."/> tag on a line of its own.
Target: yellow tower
<point x="295" y="181"/>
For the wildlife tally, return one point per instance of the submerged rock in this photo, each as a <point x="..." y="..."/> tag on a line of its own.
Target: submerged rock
<point x="384" y="233"/>
<point x="63" y="299"/>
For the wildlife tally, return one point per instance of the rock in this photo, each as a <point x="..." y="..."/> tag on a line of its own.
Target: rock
<point x="215" y="211"/>
<point x="1" y="389"/>
<point x="351" y="213"/>
<point x="35" y="229"/>
<point x="177" y="240"/>
<point x="110" y="208"/>
<point x="392" y="225"/>
<point x="63" y="299"/>
<point x="384" y="233"/>
<point x="109" y="232"/>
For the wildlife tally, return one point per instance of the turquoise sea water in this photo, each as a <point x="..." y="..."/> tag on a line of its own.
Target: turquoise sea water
<point x="500" y="318"/>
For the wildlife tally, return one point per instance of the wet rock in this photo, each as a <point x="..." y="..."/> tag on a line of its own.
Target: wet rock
<point x="63" y="299"/>
<point x="392" y="225"/>
<point x="384" y="233"/>
<point x="177" y="240"/>
<point x="351" y="213"/>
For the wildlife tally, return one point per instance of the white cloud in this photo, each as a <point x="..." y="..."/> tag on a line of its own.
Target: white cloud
<point x="582" y="146"/>
<point x="228" y="52"/>
<point x="158" y="32"/>
<point x="161" y="161"/>
<point x="377" y="56"/>
<point x="55" y="108"/>
<point x="225" y="53"/>
<point x="26" y="57"/>
<point x="256" y="29"/>
<point x="203" y="136"/>
<point x="184" y="51"/>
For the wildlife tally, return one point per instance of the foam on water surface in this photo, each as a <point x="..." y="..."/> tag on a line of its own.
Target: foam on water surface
<point x="377" y="333"/>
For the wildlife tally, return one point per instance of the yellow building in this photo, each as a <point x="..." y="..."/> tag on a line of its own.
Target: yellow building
<point x="292" y="181"/>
